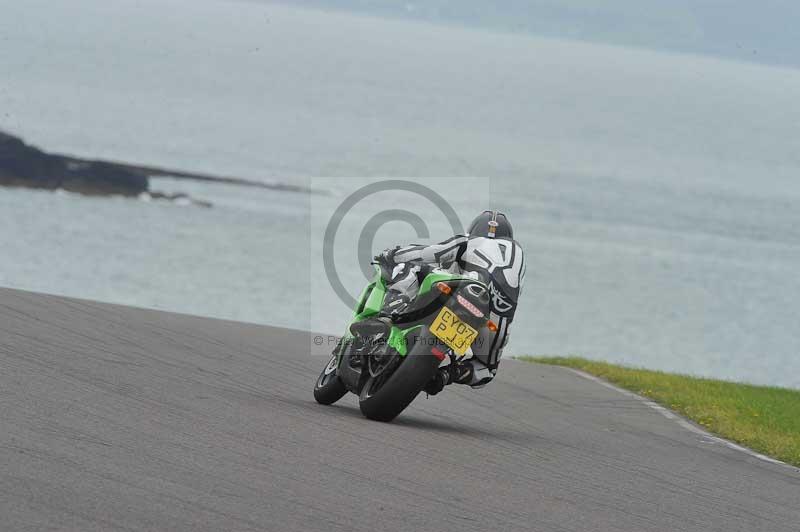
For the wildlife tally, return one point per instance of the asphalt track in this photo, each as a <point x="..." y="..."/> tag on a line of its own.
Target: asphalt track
<point x="113" y="418"/>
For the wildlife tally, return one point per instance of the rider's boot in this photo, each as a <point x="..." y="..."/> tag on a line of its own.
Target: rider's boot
<point x="461" y="373"/>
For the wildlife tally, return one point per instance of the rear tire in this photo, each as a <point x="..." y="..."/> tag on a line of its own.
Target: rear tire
<point x="329" y="387"/>
<point x="402" y="387"/>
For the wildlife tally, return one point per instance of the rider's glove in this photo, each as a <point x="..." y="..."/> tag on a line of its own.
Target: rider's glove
<point x="386" y="261"/>
<point x="386" y="256"/>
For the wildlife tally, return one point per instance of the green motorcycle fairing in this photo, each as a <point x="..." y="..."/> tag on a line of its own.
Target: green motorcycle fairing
<point x="371" y="301"/>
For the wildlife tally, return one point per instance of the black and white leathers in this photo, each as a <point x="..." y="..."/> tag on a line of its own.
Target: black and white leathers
<point x="500" y="263"/>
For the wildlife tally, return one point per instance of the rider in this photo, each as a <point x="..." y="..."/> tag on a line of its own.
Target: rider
<point x="490" y="251"/>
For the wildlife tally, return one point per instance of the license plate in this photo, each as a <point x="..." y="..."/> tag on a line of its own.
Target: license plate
<point x="452" y="331"/>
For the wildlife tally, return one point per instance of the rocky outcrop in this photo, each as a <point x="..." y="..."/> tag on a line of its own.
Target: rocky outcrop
<point x="22" y="165"/>
<point x="26" y="166"/>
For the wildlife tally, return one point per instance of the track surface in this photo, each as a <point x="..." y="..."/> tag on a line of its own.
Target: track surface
<point x="113" y="418"/>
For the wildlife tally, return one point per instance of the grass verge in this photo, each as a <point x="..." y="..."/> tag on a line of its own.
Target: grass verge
<point x="763" y="418"/>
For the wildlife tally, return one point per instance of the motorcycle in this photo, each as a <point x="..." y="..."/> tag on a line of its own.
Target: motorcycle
<point x="391" y="362"/>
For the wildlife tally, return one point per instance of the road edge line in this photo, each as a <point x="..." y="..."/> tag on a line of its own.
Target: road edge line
<point x="683" y="422"/>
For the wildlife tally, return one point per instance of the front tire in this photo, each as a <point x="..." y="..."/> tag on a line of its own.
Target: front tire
<point x="392" y="397"/>
<point x="329" y="387"/>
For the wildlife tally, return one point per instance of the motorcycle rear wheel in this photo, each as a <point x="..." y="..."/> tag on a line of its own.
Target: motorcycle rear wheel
<point x="383" y="398"/>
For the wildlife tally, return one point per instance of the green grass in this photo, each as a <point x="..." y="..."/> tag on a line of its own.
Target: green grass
<point x="763" y="418"/>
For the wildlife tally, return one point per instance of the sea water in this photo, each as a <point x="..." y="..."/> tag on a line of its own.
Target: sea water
<point x="656" y="195"/>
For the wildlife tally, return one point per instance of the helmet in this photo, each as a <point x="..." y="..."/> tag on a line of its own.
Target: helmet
<point x="491" y="224"/>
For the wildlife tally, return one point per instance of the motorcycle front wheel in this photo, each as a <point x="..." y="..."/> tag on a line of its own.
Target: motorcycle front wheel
<point x="329" y="387"/>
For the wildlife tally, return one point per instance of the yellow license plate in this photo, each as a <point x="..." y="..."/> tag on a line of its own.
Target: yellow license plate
<point x="452" y="331"/>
